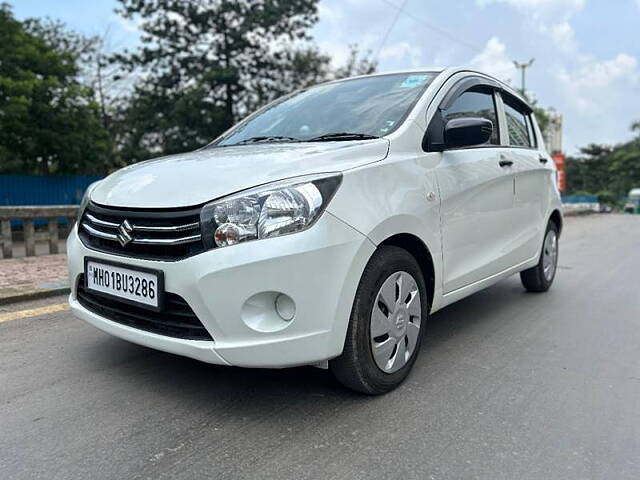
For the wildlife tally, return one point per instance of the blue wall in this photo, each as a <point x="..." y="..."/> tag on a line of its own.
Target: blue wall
<point x="43" y="190"/>
<point x="582" y="199"/>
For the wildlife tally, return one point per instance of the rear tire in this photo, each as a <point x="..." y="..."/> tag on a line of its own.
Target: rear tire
<point x="539" y="278"/>
<point x="387" y="324"/>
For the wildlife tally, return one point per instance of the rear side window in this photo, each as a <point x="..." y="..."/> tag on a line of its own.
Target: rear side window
<point x="475" y="104"/>
<point x="532" y="134"/>
<point x="518" y="124"/>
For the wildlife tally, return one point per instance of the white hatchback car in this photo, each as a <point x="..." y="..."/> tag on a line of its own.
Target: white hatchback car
<point x="324" y="229"/>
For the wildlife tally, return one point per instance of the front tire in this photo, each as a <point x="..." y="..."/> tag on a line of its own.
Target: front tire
<point x="539" y="278"/>
<point x="386" y="326"/>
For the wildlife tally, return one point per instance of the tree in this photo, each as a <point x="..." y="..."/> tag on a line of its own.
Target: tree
<point x="48" y="119"/>
<point x="589" y="171"/>
<point x="607" y="171"/>
<point x="625" y="165"/>
<point x="204" y="65"/>
<point x="356" y="65"/>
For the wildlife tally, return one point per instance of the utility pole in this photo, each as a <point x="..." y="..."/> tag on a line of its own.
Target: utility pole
<point x="523" y="68"/>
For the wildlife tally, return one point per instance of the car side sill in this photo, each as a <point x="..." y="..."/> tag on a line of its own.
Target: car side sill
<point x="455" y="295"/>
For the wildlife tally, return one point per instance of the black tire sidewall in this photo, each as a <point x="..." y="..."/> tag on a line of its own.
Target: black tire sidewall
<point x="543" y="280"/>
<point x="534" y="279"/>
<point x="387" y="261"/>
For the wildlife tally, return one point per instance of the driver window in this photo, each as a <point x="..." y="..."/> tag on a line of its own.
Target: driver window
<point x="475" y="104"/>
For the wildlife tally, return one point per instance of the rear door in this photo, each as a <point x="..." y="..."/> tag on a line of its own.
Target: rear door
<point x="534" y="172"/>
<point x="477" y="198"/>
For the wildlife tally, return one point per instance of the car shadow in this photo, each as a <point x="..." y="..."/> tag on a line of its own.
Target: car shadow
<point x="491" y="305"/>
<point x="176" y="376"/>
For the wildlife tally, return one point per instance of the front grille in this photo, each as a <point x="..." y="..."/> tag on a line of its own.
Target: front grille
<point x="150" y="234"/>
<point x="176" y="319"/>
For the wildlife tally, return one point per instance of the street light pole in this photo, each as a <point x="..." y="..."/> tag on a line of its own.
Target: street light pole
<point x="523" y="67"/>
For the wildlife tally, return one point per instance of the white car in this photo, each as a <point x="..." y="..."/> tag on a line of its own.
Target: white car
<point x="325" y="229"/>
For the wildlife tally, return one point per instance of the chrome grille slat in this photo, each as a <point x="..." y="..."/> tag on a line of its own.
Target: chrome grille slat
<point x="177" y="228"/>
<point x="100" y="234"/>
<point x="101" y="223"/>
<point x="144" y="228"/>
<point x="143" y="241"/>
<point x="167" y="241"/>
<point x="154" y="234"/>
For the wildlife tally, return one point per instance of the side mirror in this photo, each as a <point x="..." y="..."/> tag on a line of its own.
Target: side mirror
<point x="467" y="132"/>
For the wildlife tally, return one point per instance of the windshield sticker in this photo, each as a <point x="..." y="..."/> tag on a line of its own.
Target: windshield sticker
<point x="413" y="81"/>
<point x="387" y="126"/>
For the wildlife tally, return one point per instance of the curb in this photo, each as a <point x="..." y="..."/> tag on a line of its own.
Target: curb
<point x="577" y="213"/>
<point x="33" y="295"/>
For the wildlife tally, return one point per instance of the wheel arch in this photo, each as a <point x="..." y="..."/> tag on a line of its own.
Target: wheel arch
<point x="417" y="248"/>
<point x="556" y="217"/>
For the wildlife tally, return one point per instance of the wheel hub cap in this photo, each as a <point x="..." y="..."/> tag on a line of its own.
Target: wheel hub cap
<point x="550" y="255"/>
<point x="401" y="319"/>
<point x="395" y="322"/>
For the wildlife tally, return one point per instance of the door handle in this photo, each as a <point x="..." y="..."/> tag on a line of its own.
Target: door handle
<point x="543" y="159"/>
<point x="505" y="163"/>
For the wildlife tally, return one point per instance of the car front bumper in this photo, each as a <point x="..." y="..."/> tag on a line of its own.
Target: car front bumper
<point x="232" y="292"/>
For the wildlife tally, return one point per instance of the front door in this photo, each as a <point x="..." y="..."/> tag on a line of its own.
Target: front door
<point x="477" y="199"/>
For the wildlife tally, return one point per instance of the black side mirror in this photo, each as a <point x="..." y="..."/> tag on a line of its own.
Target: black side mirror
<point x="467" y="132"/>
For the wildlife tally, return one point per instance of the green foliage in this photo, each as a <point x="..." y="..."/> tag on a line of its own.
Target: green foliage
<point x="48" y="120"/>
<point x="607" y="197"/>
<point x="204" y="65"/>
<point x="609" y="172"/>
<point x="68" y="104"/>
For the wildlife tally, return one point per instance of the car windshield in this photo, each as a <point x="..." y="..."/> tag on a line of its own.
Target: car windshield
<point x="357" y="109"/>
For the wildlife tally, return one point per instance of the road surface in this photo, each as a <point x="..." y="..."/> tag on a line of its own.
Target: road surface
<point x="508" y="385"/>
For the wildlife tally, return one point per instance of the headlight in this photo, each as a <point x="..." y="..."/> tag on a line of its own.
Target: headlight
<point x="267" y="211"/>
<point x="86" y="198"/>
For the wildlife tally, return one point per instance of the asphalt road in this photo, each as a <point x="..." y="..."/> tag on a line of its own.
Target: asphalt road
<point x="508" y="385"/>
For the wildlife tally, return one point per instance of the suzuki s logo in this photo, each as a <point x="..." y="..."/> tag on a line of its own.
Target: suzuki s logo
<point x="124" y="233"/>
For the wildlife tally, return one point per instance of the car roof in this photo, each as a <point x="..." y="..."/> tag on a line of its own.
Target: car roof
<point x="448" y="72"/>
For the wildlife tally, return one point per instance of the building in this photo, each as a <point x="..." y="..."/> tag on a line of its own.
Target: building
<point x="553" y="132"/>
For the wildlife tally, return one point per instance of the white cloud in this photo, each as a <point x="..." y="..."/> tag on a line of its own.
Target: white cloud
<point x="563" y="36"/>
<point x="331" y="14"/>
<point x="131" y="26"/>
<point x="494" y="60"/>
<point x="402" y="52"/>
<point x="548" y="9"/>
<point x="550" y="17"/>
<point x="601" y="74"/>
<point x="338" y="48"/>
<point x="338" y="51"/>
<point x="597" y="99"/>
<point x="570" y="74"/>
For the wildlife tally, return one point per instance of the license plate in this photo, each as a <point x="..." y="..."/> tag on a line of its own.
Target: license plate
<point x="134" y="285"/>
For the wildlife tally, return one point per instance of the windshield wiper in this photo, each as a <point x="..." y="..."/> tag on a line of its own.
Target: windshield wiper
<point x="328" y="137"/>
<point x="267" y="139"/>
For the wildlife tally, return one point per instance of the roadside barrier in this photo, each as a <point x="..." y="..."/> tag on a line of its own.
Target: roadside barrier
<point x="51" y="213"/>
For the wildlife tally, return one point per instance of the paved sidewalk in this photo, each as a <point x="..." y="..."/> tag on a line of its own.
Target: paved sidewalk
<point x="29" y="278"/>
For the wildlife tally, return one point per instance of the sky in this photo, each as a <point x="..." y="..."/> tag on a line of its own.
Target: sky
<point x="587" y="52"/>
